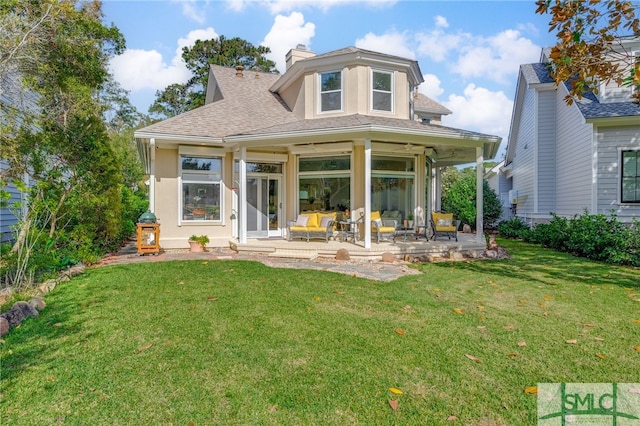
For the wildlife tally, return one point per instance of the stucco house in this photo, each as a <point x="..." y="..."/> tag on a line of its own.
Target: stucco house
<point x="567" y="159"/>
<point x="344" y="130"/>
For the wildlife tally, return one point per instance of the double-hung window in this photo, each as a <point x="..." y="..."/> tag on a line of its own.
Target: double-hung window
<point x="201" y="188"/>
<point x="331" y="91"/>
<point x="630" y="177"/>
<point x="382" y="91"/>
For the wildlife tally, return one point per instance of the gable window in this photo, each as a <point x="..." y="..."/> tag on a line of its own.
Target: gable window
<point x="201" y="188"/>
<point x="331" y="91"/>
<point x="630" y="177"/>
<point x="382" y="91"/>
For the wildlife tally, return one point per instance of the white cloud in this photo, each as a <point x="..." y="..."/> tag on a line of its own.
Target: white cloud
<point x="194" y="10"/>
<point x="431" y="87"/>
<point x="285" y="34"/>
<point x="438" y="44"/>
<point x="138" y="69"/>
<point x="392" y="43"/>
<point x="481" y="110"/>
<point x="497" y="57"/>
<point x="283" y="6"/>
<point x="441" y="22"/>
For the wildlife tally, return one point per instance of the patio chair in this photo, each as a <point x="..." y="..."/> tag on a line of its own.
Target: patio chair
<point x="383" y="227"/>
<point x="443" y="224"/>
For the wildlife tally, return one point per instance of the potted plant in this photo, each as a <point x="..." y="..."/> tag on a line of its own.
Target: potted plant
<point x="410" y="220"/>
<point x="198" y="243"/>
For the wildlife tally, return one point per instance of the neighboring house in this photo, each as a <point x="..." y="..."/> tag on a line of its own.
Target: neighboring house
<point x="341" y="130"/>
<point x="501" y="186"/>
<point x="14" y="102"/>
<point x="568" y="159"/>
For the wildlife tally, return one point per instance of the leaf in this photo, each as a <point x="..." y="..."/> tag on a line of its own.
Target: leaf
<point x="513" y="354"/>
<point x="599" y="339"/>
<point x="588" y="325"/>
<point x="393" y="403"/>
<point x="508" y="327"/>
<point x="458" y="311"/>
<point x="600" y="356"/>
<point x="636" y="348"/>
<point x="482" y="327"/>
<point x="521" y="344"/>
<point x="637" y="321"/>
<point x="571" y="341"/>
<point x="481" y="308"/>
<point x="452" y="418"/>
<point x="144" y="347"/>
<point x="400" y="331"/>
<point x="547" y="298"/>
<point x="531" y="390"/>
<point x="339" y="292"/>
<point x="212" y="298"/>
<point x="473" y="358"/>
<point x="396" y="391"/>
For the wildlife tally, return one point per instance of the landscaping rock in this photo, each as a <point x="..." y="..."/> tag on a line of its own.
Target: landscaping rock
<point x="388" y="257"/>
<point x="37" y="303"/>
<point x="466" y="228"/>
<point x="343" y="254"/>
<point x="491" y="254"/>
<point x="409" y="258"/>
<point x="492" y="242"/>
<point x="4" y="326"/>
<point x="455" y="255"/>
<point x="18" y="313"/>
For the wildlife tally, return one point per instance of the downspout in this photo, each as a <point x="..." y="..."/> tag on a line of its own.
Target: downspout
<point x="152" y="173"/>
<point x="479" y="196"/>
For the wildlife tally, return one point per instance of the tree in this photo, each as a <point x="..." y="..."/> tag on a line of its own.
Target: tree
<point x="178" y="98"/>
<point x="58" y="52"/>
<point x="591" y="44"/>
<point x="460" y="200"/>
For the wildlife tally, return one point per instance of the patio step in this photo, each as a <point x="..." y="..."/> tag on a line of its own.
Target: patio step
<point x="294" y="254"/>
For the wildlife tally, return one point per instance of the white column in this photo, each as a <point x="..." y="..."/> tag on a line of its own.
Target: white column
<point x="152" y="175"/>
<point x="479" y="195"/>
<point x="242" y="199"/>
<point x="367" y="194"/>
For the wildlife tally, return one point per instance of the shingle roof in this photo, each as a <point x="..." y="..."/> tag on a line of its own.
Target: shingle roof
<point x="594" y="109"/>
<point x="589" y="105"/>
<point x="247" y="104"/>
<point x="536" y="73"/>
<point x="358" y="120"/>
<point x="425" y="103"/>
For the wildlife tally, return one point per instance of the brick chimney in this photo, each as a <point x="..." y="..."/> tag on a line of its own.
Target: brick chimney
<point x="300" y="52"/>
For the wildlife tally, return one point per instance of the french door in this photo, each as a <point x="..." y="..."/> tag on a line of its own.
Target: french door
<point x="264" y="208"/>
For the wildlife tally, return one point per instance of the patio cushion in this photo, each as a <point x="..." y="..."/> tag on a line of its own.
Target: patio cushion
<point x="385" y="229"/>
<point x="313" y="220"/>
<point x="302" y="220"/>
<point x="324" y="222"/>
<point x="444" y="222"/>
<point x="375" y="215"/>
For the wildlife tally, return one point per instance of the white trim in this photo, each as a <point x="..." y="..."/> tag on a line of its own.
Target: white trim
<point x="479" y="197"/>
<point x="319" y="92"/>
<point x="619" y="185"/>
<point x="263" y="157"/>
<point x="152" y="175"/>
<point x="392" y="92"/>
<point x="322" y="149"/>
<point x="367" y="193"/>
<point x="200" y="151"/>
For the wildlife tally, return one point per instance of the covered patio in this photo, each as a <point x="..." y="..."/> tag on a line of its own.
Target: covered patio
<point x="467" y="244"/>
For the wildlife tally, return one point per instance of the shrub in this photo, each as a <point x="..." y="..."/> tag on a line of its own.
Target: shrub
<point x="460" y="200"/>
<point x="596" y="237"/>
<point x="512" y="228"/>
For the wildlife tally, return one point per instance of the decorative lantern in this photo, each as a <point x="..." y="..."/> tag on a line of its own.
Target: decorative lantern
<point x="148" y="234"/>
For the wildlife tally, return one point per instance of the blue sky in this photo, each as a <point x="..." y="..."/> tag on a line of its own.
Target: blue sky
<point x="469" y="52"/>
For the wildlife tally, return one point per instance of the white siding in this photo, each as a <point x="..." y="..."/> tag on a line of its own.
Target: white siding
<point x="523" y="160"/>
<point x="609" y="140"/>
<point x="573" y="159"/>
<point x="546" y="153"/>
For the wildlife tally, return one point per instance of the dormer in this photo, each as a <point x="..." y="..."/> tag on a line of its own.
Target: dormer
<point x="348" y="81"/>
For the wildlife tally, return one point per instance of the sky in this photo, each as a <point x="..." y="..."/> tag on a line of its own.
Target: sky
<point x="468" y="51"/>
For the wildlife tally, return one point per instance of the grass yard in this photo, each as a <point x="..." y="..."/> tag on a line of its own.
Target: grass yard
<point x="236" y="342"/>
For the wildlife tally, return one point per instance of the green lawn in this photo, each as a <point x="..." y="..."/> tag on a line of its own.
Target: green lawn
<point x="237" y="342"/>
